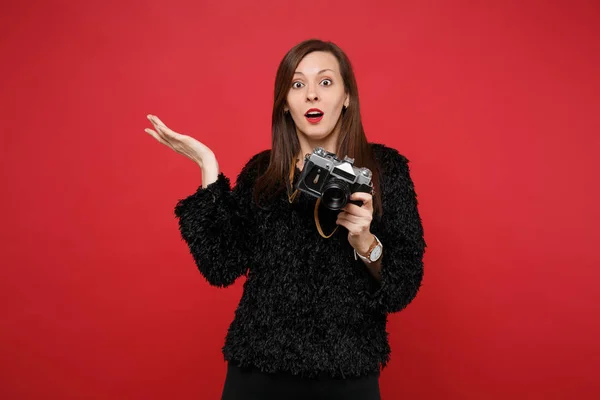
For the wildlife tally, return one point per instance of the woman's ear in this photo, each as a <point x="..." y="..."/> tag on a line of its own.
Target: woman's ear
<point x="347" y="101"/>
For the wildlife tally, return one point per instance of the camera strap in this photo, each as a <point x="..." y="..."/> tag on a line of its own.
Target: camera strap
<point x="292" y="197"/>
<point x="318" y="224"/>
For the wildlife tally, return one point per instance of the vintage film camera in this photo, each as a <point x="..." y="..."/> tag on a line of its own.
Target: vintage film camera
<point x="333" y="180"/>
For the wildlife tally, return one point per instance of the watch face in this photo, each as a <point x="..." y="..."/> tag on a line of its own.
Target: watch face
<point x="375" y="253"/>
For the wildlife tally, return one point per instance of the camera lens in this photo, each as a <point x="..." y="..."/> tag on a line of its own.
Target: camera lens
<point x="335" y="194"/>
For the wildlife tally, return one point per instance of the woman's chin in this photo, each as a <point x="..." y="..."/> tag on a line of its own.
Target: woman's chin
<point x="317" y="135"/>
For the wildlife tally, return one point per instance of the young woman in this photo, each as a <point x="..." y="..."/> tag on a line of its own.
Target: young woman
<point x="321" y="281"/>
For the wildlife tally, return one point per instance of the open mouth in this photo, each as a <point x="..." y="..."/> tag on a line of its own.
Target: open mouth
<point x="314" y="116"/>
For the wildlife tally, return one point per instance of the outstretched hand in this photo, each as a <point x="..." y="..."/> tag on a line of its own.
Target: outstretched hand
<point x="182" y="144"/>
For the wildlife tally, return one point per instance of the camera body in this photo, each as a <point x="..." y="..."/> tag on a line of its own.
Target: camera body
<point x="333" y="180"/>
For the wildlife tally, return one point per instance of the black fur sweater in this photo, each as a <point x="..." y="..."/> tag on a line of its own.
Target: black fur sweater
<point x="308" y="307"/>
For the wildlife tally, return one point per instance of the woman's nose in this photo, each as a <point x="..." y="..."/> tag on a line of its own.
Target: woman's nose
<point x="311" y="95"/>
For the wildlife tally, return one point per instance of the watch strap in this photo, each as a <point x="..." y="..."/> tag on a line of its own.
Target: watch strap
<point x="367" y="257"/>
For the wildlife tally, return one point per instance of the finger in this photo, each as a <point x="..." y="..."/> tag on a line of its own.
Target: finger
<point x="366" y="198"/>
<point x="155" y="120"/>
<point x="357" y="210"/>
<point x="164" y="134"/>
<point x="160" y="133"/>
<point x="343" y="222"/>
<point x="156" y="124"/>
<point x="353" y="219"/>
<point x="160" y="126"/>
<point x="353" y="229"/>
<point x="156" y="136"/>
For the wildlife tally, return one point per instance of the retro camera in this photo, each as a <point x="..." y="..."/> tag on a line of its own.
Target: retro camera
<point x="333" y="180"/>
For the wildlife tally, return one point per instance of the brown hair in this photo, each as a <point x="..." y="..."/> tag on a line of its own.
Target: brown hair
<point x="284" y="142"/>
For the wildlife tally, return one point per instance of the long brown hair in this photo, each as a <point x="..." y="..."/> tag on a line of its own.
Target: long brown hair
<point x="284" y="142"/>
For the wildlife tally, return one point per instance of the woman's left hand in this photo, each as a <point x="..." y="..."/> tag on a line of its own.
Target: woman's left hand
<point x="358" y="221"/>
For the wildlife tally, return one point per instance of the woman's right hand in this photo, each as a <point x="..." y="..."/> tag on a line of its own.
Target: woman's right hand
<point x="188" y="146"/>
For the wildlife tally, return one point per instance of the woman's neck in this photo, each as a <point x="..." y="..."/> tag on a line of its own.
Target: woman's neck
<point x="307" y="146"/>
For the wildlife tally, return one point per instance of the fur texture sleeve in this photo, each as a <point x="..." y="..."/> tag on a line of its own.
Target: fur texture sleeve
<point x="215" y="223"/>
<point x="401" y="234"/>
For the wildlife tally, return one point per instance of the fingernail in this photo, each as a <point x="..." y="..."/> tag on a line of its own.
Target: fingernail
<point x="149" y="117"/>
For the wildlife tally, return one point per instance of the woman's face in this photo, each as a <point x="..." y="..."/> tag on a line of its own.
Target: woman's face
<point x="317" y="84"/>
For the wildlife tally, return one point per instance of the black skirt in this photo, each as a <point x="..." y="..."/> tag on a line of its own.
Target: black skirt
<point x="250" y="383"/>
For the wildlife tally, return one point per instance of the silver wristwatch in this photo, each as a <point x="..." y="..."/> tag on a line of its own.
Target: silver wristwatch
<point x="374" y="252"/>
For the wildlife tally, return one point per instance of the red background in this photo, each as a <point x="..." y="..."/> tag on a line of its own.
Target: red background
<point x="496" y="104"/>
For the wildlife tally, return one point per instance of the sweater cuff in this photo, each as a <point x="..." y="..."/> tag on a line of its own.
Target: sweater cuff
<point x="203" y="195"/>
<point x="374" y="296"/>
<point x="374" y="290"/>
<point x="216" y="188"/>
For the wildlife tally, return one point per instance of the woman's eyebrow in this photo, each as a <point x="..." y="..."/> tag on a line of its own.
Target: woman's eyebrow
<point x="320" y="72"/>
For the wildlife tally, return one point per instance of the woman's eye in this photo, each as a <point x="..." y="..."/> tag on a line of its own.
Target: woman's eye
<point x="298" y="85"/>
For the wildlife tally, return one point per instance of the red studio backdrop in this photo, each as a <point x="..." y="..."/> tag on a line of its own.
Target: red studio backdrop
<point x="495" y="103"/>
